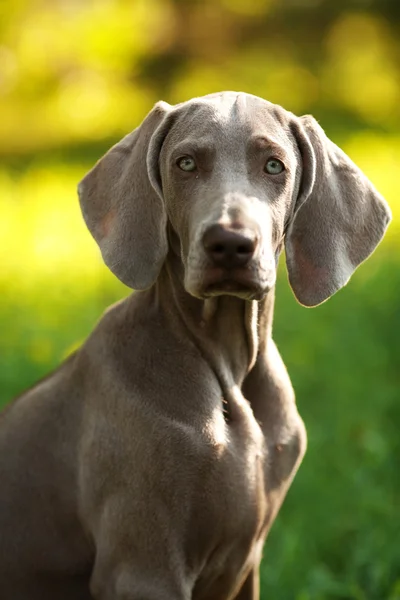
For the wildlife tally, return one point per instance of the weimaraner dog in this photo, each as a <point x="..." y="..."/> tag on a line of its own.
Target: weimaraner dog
<point x="152" y="463"/>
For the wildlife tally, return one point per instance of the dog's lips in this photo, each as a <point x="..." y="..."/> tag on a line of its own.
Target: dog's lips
<point x="240" y="282"/>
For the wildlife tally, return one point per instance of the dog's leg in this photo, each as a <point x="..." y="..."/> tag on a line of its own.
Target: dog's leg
<point x="126" y="568"/>
<point x="131" y="584"/>
<point x="251" y="587"/>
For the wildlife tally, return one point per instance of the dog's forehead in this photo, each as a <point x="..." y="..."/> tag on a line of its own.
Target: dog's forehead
<point x="228" y="115"/>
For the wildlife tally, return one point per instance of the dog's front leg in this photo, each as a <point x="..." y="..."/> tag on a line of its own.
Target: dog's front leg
<point x="123" y="581"/>
<point x="137" y="556"/>
<point x="251" y="587"/>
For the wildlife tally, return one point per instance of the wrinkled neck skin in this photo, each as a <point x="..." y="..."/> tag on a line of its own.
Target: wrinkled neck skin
<point x="229" y="332"/>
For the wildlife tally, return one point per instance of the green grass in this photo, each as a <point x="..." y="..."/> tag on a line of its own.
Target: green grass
<point x="338" y="533"/>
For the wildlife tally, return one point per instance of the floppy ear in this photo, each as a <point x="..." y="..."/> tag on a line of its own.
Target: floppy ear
<point x="121" y="201"/>
<point x="339" y="218"/>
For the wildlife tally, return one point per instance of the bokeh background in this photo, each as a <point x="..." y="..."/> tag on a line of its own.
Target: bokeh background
<point x="75" y="76"/>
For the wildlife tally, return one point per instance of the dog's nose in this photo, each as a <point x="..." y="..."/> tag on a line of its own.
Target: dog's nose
<point x="229" y="248"/>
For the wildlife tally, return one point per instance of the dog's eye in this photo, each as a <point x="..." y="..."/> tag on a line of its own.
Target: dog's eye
<point x="274" y="166"/>
<point x="186" y="163"/>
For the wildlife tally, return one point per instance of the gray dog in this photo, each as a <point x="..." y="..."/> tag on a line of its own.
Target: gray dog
<point x="152" y="463"/>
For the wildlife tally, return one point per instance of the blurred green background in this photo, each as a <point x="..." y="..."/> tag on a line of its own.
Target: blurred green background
<point x="75" y="76"/>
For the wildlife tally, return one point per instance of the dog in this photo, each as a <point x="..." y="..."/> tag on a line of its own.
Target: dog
<point x="152" y="463"/>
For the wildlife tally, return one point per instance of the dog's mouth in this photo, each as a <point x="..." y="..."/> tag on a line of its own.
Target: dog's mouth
<point x="240" y="282"/>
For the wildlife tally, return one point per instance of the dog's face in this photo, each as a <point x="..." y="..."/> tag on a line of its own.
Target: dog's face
<point x="232" y="178"/>
<point x="230" y="174"/>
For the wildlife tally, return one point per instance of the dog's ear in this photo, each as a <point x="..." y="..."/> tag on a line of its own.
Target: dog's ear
<point x="338" y="221"/>
<point x="122" y="204"/>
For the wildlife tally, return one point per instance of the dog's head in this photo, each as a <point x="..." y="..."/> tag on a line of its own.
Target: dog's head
<point x="232" y="178"/>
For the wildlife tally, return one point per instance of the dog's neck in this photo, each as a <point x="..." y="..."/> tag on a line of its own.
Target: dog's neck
<point x="230" y="332"/>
